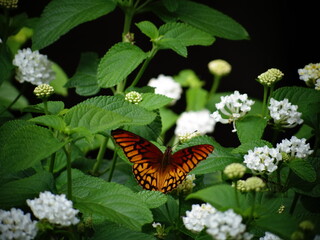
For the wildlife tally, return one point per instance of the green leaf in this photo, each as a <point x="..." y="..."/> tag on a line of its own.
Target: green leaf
<point x="60" y="80"/>
<point x="22" y="144"/>
<point x="61" y="16"/>
<point x="305" y="132"/>
<point x="52" y="121"/>
<point x="114" y="202"/>
<point x="5" y="63"/>
<point x="148" y="29"/>
<point x="245" y="147"/>
<point x="113" y="231"/>
<point x="54" y="107"/>
<point x="118" y="63"/>
<point x="220" y="196"/>
<point x="168" y="118"/>
<point x="152" y="101"/>
<point x="15" y="193"/>
<point x="188" y="78"/>
<point x="93" y="118"/>
<point x="185" y="34"/>
<point x="282" y="225"/>
<point x="85" y="78"/>
<point x="250" y="128"/>
<point x="303" y="169"/>
<point x="307" y="99"/>
<point x="173" y="44"/>
<point x="196" y="99"/>
<point x="152" y="199"/>
<point x="204" y="18"/>
<point x="117" y="104"/>
<point x="8" y="93"/>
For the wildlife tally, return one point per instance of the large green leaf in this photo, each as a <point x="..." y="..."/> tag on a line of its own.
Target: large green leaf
<point x="196" y="98"/>
<point x="250" y="128"/>
<point x="152" y="101"/>
<point x="8" y="93"/>
<point x="5" y="63"/>
<point x="95" y="197"/>
<point x="149" y="29"/>
<point x="53" y="121"/>
<point x="303" y="169"/>
<point x="22" y="144"/>
<point x="15" y="193"/>
<point x="85" y="78"/>
<point x="117" y="104"/>
<point x="118" y="63"/>
<point x="61" y="16"/>
<point x="204" y="18"/>
<point x="59" y="81"/>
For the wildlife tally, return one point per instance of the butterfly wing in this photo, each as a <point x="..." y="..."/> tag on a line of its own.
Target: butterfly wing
<point x="145" y="156"/>
<point x="181" y="163"/>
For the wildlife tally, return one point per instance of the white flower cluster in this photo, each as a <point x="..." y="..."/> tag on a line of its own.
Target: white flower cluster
<point x="295" y="148"/>
<point x="317" y="85"/>
<point x="284" y="113"/>
<point x="220" y="225"/>
<point x="167" y="86"/>
<point x="269" y="236"/>
<point x="33" y="67"/>
<point x="187" y="185"/>
<point x="310" y="74"/>
<point x="195" y="219"/>
<point x="263" y="159"/>
<point x="14" y="224"/>
<point x="57" y="209"/>
<point x="227" y="225"/>
<point x="190" y="122"/>
<point x="231" y="108"/>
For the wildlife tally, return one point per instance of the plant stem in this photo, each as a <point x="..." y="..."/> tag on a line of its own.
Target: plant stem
<point x="145" y="64"/>
<point x="215" y="85"/>
<point x="101" y="153"/>
<point x="67" y="150"/>
<point x="113" y="166"/>
<point x="45" y="106"/>
<point x="236" y="193"/>
<point x="14" y="100"/>
<point x="294" y="202"/>
<point x="265" y="98"/>
<point x="52" y="160"/>
<point x="253" y="205"/>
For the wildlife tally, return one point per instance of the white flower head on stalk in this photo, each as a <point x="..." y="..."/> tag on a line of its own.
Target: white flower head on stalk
<point x="310" y="74"/>
<point x="294" y="148"/>
<point x="263" y="159"/>
<point x="14" y="224"/>
<point x="219" y="67"/>
<point x="194" y="121"/>
<point x="167" y="86"/>
<point x="226" y="225"/>
<point x="33" y="67"/>
<point x="195" y="219"/>
<point x="269" y="236"/>
<point x="57" y="209"/>
<point x="231" y="108"/>
<point x="284" y="114"/>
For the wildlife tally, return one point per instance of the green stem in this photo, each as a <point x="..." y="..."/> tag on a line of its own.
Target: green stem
<point x="67" y="150"/>
<point x="52" y="160"/>
<point x="145" y="64"/>
<point x="294" y="202"/>
<point x="236" y="193"/>
<point x="251" y="216"/>
<point x="265" y="99"/>
<point x="215" y="85"/>
<point x="14" y="100"/>
<point x="113" y="166"/>
<point x="101" y="153"/>
<point x="45" y="106"/>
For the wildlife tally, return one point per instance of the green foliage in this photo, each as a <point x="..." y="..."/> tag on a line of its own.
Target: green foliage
<point x="250" y="128"/>
<point x="60" y="16"/>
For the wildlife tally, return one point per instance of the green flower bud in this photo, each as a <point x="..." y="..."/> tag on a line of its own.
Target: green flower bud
<point x="133" y="97"/>
<point x="219" y="67"/>
<point x="9" y="3"/>
<point x="43" y="91"/>
<point x="234" y="171"/>
<point x="254" y="184"/>
<point x="270" y="77"/>
<point x="297" y="235"/>
<point x="306" y="225"/>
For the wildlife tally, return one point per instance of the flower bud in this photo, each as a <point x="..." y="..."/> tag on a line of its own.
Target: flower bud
<point x="270" y="77"/>
<point x="43" y="91"/>
<point x="254" y="184"/>
<point x="219" y="67"/>
<point x="133" y="97"/>
<point x="9" y="3"/>
<point x="234" y="170"/>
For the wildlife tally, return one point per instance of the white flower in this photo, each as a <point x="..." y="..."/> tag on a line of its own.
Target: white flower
<point x="33" y="67"/>
<point x="310" y="73"/>
<point x="269" y="236"/>
<point x="219" y="67"/>
<point x="57" y="209"/>
<point x="317" y="85"/>
<point x="284" y="113"/>
<point x="295" y="147"/>
<point x="190" y="122"/>
<point x="316" y="237"/>
<point x="226" y="225"/>
<point x="231" y="108"/>
<point x="196" y="218"/>
<point x="167" y="86"/>
<point x="263" y="159"/>
<point x="14" y="224"/>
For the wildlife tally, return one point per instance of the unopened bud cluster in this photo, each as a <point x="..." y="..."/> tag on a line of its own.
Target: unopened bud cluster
<point x="9" y="3"/>
<point x="270" y="77"/>
<point x="133" y="97"/>
<point x="254" y="184"/>
<point x="43" y="91"/>
<point x="219" y="67"/>
<point x="234" y="171"/>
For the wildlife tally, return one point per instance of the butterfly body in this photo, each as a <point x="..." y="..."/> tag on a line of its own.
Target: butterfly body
<point x="155" y="170"/>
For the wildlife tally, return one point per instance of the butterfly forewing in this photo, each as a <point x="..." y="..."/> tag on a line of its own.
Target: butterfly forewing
<point x="153" y="169"/>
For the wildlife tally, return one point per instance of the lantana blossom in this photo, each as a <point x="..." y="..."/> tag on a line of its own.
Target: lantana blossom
<point x="294" y="148"/>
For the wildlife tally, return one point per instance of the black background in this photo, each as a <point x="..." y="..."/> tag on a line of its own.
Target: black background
<point x="283" y="35"/>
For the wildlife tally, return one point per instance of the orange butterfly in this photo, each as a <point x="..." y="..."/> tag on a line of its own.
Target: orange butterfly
<point x="155" y="170"/>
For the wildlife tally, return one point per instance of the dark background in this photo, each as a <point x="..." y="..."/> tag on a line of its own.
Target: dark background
<point x="283" y="35"/>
